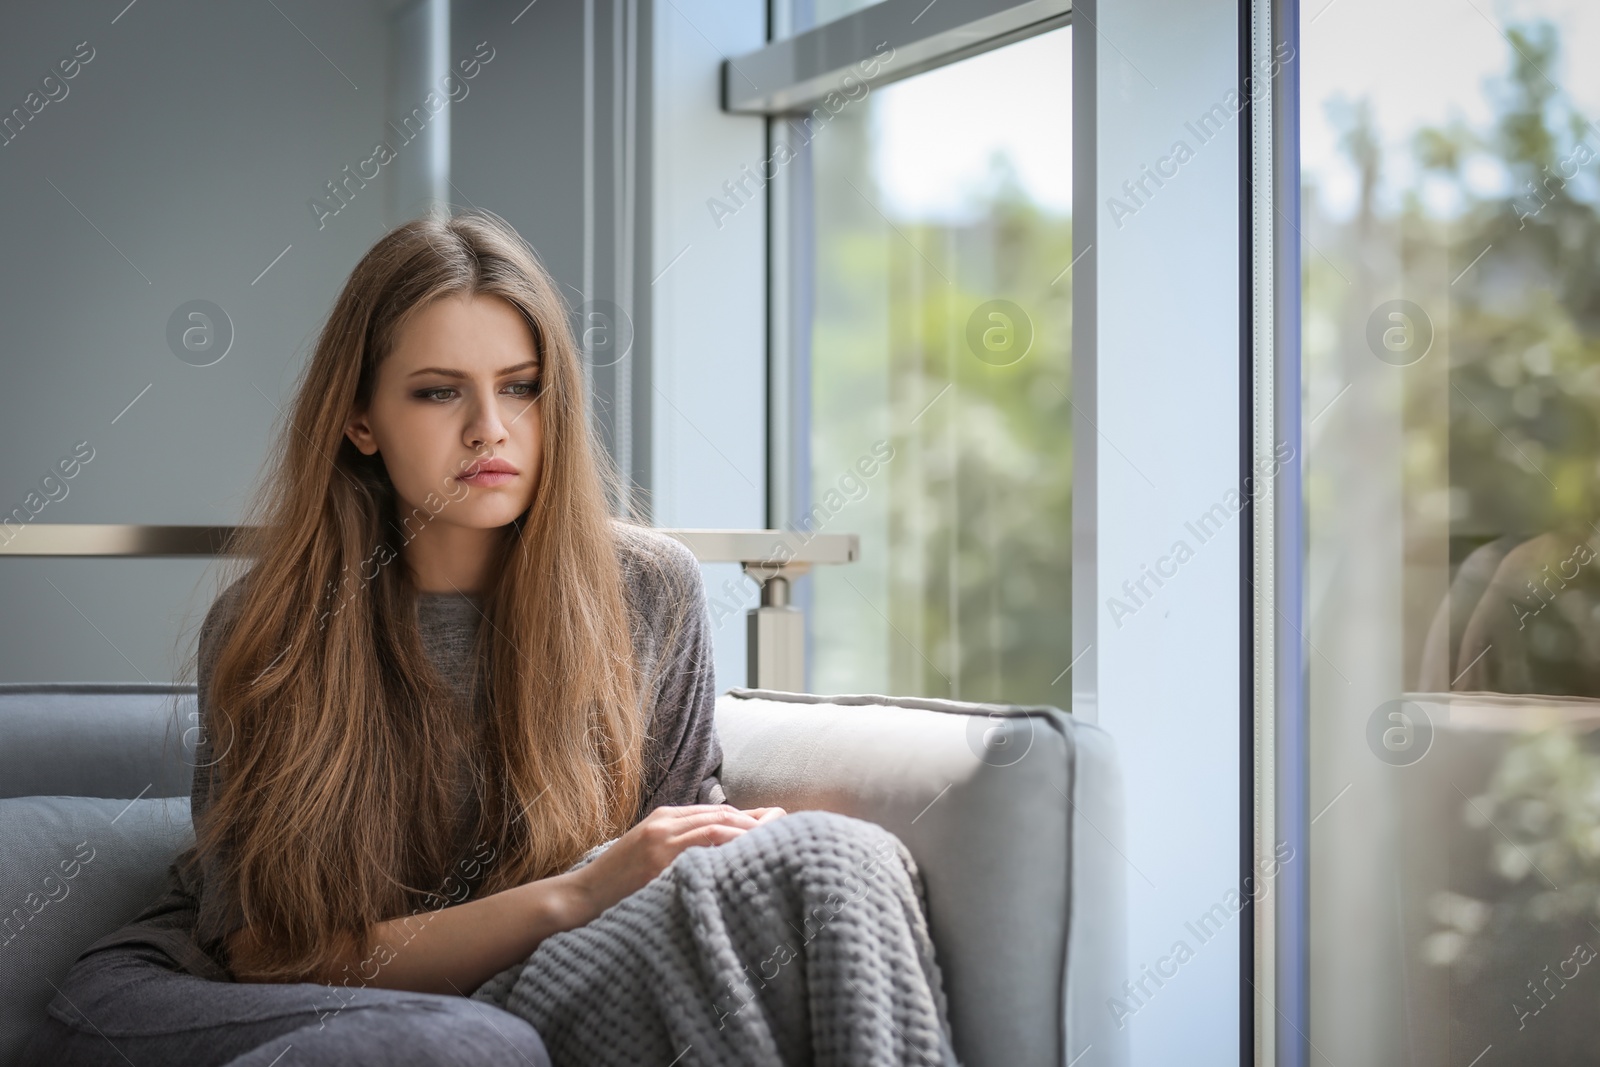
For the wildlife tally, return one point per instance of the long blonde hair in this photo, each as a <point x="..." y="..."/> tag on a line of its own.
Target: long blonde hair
<point x="332" y="807"/>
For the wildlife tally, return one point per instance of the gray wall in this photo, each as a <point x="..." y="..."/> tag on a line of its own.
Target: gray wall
<point x="178" y="166"/>
<point x="182" y="162"/>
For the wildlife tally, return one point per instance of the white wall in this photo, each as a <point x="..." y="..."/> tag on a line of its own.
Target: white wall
<point x="1156" y="369"/>
<point x="709" y="302"/>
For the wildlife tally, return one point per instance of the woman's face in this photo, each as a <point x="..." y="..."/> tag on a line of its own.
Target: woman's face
<point x="458" y="389"/>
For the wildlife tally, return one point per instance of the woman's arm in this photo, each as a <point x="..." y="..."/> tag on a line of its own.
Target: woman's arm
<point x="453" y="949"/>
<point x="458" y="948"/>
<point x="683" y="718"/>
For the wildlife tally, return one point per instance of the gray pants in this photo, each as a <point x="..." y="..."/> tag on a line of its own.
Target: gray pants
<point x="135" y="1009"/>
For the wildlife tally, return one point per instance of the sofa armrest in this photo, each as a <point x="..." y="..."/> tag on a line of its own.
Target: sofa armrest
<point x="1014" y="817"/>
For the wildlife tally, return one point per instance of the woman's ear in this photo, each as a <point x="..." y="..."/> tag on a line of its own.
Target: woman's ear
<point x="360" y="434"/>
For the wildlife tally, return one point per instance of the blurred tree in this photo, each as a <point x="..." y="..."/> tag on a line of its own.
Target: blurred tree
<point x="1522" y="322"/>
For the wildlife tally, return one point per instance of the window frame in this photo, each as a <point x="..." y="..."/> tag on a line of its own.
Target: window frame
<point x="1263" y="716"/>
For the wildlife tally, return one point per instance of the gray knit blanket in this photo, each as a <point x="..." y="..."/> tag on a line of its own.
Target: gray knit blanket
<point x="802" y="941"/>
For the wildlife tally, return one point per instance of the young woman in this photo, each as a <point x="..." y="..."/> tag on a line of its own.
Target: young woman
<point x="454" y="713"/>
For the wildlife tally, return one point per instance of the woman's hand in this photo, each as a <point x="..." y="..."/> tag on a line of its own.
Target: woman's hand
<point x="654" y="842"/>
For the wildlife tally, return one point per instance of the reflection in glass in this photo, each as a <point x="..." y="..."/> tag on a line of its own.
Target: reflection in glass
<point x="934" y="303"/>
<point x="1452" y="367"/>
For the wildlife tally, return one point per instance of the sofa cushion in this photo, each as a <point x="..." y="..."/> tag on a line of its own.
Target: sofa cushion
<point x="73" y="869"/>
<point x="97" y="739"/>
<point x="1013" y="814"/>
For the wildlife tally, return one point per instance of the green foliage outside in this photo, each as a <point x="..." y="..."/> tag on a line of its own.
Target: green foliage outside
<point x="1522" y="322"/>
<point x="964" y="589"/>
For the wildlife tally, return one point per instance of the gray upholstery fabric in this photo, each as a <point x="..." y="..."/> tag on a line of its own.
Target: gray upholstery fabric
<point x="72" y="869"/>
<point x="792" y="943"/>
<point x="1014" y="815"/>
<point x="97" y="739"/>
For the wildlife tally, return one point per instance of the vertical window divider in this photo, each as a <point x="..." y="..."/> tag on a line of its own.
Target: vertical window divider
<point x="1262" y="542"/>
<point x="1289" y="752"/>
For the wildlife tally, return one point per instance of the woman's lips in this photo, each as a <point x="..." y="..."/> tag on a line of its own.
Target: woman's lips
<point x="488" y="479"/>
<point x="488" y="472"/>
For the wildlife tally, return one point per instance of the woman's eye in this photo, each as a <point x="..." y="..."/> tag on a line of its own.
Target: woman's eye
<point x="523" y="390"/>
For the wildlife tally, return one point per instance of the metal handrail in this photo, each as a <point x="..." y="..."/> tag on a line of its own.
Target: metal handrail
<point x="775" y="655"/>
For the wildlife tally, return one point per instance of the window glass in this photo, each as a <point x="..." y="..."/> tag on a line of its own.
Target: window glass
<point x="808" y="14"/>
<point x="1452" y="397"/>
<point x="933" y="307"/>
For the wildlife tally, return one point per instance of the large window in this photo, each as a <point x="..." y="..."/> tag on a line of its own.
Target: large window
<point x="931" y="294"/>
<point x="1452" y="369"/>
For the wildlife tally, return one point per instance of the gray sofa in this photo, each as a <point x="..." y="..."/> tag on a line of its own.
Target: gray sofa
<point x="1013" y="814"/>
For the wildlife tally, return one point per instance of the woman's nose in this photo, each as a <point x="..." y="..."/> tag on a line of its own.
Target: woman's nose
<point x="486" y="426"/>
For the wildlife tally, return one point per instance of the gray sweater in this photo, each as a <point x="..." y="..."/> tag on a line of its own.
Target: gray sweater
<point x="682" y="756"/>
